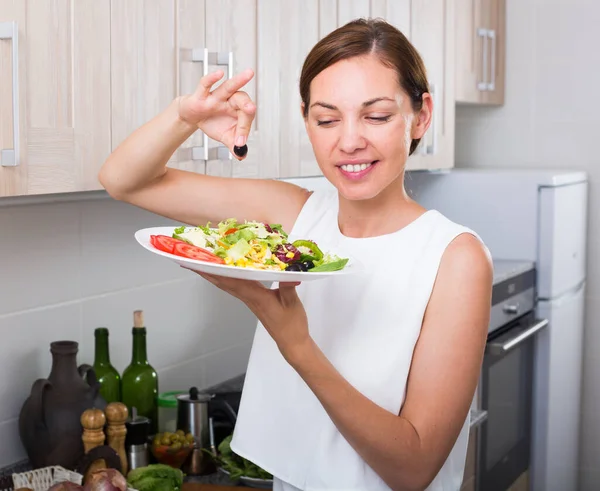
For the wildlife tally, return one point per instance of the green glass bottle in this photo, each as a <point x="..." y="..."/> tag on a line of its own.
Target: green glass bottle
<point x="140" y="381"/>
<point x="109" y="378"/>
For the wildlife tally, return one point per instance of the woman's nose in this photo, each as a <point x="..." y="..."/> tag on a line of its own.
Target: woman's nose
<point x="351" y="138"/>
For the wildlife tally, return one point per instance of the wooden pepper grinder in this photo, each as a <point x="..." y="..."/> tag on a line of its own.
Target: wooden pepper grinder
<point x="93" y="421"/>
<point x="116" y="414"/>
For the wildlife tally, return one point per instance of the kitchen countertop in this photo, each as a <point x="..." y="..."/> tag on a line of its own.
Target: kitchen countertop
<point x="504" y="269"/>
<point x="216" y="481"/>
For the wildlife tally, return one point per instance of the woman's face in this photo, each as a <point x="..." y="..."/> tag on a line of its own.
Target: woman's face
<point x="361" y="123"/>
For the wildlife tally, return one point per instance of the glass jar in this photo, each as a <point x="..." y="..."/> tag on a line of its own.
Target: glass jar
<point x="167" y="411"/>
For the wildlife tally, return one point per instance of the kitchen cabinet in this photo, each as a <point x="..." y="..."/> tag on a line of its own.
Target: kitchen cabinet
<point x="481" y="51"/>
<point x="432" y="33"/>
<point x="217" y="34"/>
<point x="54" y="96"/>
<point x="429" y="24"/>
<point x="84" y="75"/>
<point x="142" y="63"/>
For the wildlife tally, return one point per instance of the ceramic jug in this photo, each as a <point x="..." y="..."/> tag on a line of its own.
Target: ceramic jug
<point x="49" y="422"/>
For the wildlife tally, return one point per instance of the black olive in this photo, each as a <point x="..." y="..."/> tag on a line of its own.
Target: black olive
<point x="294" y="267"/>
<point x="308" y="265"/>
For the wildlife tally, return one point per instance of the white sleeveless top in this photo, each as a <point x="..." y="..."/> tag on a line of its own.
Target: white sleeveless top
<point x="367" y="326"/>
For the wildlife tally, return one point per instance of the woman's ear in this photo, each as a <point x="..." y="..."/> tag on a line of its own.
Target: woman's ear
<point x="422" y="119"/>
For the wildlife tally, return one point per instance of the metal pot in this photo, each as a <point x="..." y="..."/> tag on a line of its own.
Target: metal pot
<point x="192" y="417"/>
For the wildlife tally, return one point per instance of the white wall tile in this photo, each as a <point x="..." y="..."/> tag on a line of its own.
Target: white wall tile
<point x="226" y="364"/>
<point x="39" y="256"/>
<point x="11" y="450"/>
<point x="111" y="257"/>
<point x="207" y="370"/>
<point x="25" y="350"/>
<point x="184" y="320"/>
<point x="67" y="268"/>
<point x="191" y="373"/>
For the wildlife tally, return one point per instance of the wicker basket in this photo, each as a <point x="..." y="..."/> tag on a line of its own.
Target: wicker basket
<point x="44" y="478"/>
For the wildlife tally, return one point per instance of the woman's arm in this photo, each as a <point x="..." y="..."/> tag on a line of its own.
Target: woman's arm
<point x="408" y="450"/>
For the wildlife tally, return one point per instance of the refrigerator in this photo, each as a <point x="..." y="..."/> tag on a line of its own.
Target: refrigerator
<point x="541" y="216"/>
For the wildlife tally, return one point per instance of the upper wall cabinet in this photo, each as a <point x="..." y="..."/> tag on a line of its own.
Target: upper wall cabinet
<point x="55" y="88"/>
<point x="76" y="78"/>
<point x="429" y="24"/>
<point x="480" y="48"/>
<point x="432" y="33"/>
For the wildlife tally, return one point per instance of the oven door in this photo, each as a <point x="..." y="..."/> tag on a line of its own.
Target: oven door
<point x="506" y="388"/>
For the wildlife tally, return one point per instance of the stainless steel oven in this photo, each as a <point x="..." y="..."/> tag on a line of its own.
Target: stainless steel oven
<point x="506" y="383"/>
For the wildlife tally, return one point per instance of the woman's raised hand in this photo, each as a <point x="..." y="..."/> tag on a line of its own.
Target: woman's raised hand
<point x="225" y="114"/>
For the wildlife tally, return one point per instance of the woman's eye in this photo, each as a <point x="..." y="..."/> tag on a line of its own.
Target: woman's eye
<point x="325" y="123"/>
<point x="381" y="119"/>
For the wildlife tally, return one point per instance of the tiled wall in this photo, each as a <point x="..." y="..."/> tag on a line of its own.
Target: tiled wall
<point x="67" y="268"/>
<point x="551" y="119"/>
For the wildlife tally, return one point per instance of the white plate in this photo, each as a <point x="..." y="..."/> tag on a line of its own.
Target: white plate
<point x="143" y="237"/>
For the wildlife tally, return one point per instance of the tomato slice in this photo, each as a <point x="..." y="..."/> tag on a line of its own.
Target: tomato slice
<point x="164" y="243"/>
<point x="192" y="252"/>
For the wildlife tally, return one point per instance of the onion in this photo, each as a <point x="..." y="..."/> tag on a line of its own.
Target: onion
<point x="66" y="486"/>
<point x="106" y="480"/>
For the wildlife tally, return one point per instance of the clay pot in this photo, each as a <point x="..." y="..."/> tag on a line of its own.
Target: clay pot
<point x="49" y="423"/>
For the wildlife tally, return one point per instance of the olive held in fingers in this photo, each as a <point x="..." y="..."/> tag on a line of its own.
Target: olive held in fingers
<point x="240" y="151"/>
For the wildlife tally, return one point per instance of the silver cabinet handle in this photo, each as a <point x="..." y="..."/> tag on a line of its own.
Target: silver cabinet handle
<point x="10" y="157"/>
<point x="507" y="345"/>
<point x="492" y="83"/>
<point x="483" y="33"/>
<point x="220" y="59"/>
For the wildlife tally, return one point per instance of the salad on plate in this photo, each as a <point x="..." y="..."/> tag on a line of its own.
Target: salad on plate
<point x="252" y="244"/>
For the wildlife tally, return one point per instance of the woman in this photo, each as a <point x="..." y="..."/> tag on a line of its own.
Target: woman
<point x="359" y="383"/>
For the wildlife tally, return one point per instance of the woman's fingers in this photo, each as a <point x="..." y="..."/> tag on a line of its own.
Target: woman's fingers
<point x="246" y="110"/>
<point x="224" y="91"/>
<point x="206" y="83"/>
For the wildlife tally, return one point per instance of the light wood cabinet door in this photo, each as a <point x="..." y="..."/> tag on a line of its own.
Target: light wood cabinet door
<point x="432" y="33"/>
<point x="63" y="67"/>
<point x="481" y="51"/>
<point x="286" y="33"/>
<point x="142" y="69"/>
<point x="429" y="24"/>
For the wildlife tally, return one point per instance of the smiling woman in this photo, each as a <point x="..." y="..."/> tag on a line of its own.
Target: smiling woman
<point x="361" y="382"/>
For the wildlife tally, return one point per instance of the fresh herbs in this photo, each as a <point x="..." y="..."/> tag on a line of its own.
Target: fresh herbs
<point x="236" y="465"/>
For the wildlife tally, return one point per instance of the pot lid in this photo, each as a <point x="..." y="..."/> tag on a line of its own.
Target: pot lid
<point x="194" y="396"/>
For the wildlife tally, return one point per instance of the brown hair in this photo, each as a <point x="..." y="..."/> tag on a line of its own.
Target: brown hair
<point x="362" y="37"/>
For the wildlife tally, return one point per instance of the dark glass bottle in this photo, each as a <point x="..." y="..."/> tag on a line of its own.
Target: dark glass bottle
<point x="140" y="380"/>
<point x="108" y="377"/>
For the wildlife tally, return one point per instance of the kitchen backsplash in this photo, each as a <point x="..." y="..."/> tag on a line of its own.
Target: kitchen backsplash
<point x="67" y="268"/>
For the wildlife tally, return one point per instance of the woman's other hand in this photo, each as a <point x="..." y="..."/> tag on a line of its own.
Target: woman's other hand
<point x="225" y="114"/>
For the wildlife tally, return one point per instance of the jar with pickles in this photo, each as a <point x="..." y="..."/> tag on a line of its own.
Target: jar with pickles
<point x="172" y="448"/>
